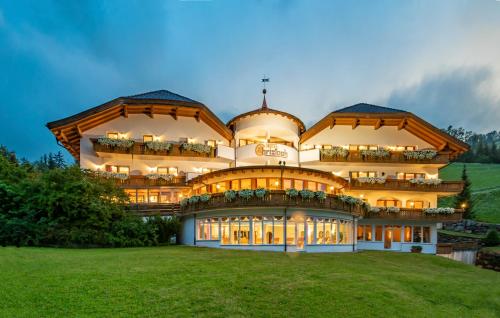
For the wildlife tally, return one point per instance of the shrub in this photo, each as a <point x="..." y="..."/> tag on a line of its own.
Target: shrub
<point x="492" y="238"/>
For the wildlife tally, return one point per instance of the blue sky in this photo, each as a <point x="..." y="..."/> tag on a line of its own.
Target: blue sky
<point x="438" y="59"/>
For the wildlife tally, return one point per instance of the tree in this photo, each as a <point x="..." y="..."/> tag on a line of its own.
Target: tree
<point x="59" y="160"/>
<point x="463" y="199"/>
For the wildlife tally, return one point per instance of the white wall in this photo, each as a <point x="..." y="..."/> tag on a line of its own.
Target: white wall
<point x="263" y="125"/>
<point x="366" y="135"/>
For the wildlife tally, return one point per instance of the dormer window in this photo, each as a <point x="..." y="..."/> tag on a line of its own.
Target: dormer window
<point x="147" y="138"/>
<point x="112" y="135"/>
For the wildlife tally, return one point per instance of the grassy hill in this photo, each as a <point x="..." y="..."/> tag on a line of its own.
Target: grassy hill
<point x="485" y="180"/>
<point x="181" y="281"/>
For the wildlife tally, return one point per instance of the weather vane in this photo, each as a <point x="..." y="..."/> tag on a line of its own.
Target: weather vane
<point x="264" y="91"/>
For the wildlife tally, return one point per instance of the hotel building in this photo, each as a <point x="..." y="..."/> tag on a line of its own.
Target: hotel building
<point x="364" y="177"/>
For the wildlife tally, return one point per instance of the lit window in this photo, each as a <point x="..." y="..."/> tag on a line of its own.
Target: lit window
<point x="112" y="135"/>
<point x="246" y="183"/>
<point x="368" y="232"/>
<point x="211" y="143"/>
<point x="396" y="233"/>
<point x="262" y="183"/>
<point x="378" y="233"/>
<point x="118" y="169"/>
<point x="147" y="138"/>
<point x="426" y="234"/>
<point x="408" y="234"/>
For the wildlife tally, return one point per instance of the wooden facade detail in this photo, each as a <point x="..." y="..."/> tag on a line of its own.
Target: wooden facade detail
<point x="405" y="185"/>
<point x="394" y="157"/>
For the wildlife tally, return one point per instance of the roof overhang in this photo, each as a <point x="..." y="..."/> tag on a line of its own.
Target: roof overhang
<point x="403" y="120"/>
<point x="69" y="131"/>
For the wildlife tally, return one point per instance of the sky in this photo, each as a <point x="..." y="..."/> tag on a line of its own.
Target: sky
<point x="437" y="59"/>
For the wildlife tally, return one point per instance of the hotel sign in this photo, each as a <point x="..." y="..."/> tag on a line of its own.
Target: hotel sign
<point x="270" y="150"/>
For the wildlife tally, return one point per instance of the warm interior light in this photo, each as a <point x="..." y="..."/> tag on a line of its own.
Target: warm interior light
<point x="463" y="205"/>
<point x="180" y="195"/>
<point x="412" y="204"/>
<point x="218" y="186"/>
<point x="276" y="183"/>
<point x="361" y="195"/>
<point x="331" y="188"/>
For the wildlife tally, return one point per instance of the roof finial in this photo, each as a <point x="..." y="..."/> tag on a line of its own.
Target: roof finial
<point x="264" y="91"/>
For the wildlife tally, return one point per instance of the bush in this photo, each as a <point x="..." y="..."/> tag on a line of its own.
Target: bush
<point x="167" y="228"/>
<point x="492" y="238"/>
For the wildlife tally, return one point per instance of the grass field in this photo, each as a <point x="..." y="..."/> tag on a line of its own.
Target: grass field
<point x="485" y="180"/>
<point x="185" y="281"/>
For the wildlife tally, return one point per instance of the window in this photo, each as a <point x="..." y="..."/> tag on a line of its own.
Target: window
<point x="245" y="183"/>
<point x="131" y="195"/>
<point x="408" y="234"/>
<point x="112" y="135"/>
<point x="362" y="174"/>
<point x="212" y="143"/>
<point x="142" y="196"/>
<point x="417" y="234"/>
<point x="416" y="204"/>
<point x="234" y="228"/>
<point x="426" y="234"/>
<point x="207" y="229"/>
<point x="274" y="184"/>
<point x="362" y="147"/>
<point x="278" y="230"/>
<point x="396" y="234"/>
<point x="167" y="170"/>
<point x="320" y="230"/>
<point x="290" y="231"/>
<point x="262" y="183"/>
<point x="235" y="184"/>
<point x="368" y="232"/>
<point x="268" y="229"/>
<point x="242" y="142"/>
<point x="311" y="185"/>
<point x="310" y="230"/>
<point x="378" y="233"/>
<point x="328" y="232"/>
<point x="389" y="203"/>
<point x="147" y="138"/>
<point x="225" y="233"/>
<point x="408" y="176"/>
<point x="118" y="169"/>
<point x="154" y="196"/>
<point x="287" y="184"/>
<point x="299" y="184"/>
<point x="257" y="230"/>
<point x="334" y="232"/>
<point x="360" y="233"/>
<point x="244" y="232"/>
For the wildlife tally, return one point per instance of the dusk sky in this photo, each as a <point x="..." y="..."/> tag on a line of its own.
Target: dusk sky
<point x="437" y="59"/>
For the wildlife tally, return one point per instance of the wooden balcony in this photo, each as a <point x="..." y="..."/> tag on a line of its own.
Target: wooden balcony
<point x="275" y="198"/>
<point x="142" y="181"/>
<point x="151" y="209"/>
<point x="394" y="157"/>
<point x="414" y="215"/>
<point x="405" y="185"/>
<point x="139" y="148"/>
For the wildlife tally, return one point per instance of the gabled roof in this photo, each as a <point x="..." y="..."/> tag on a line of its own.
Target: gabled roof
<point x="68" y="131"/>
<point x="368" y="108"/>
<point x="377" y="116"/>
<point x="163" y="94"/>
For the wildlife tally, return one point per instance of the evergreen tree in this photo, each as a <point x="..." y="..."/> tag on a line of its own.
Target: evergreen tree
<point x="463" y="199"/>
<point x="51" y="163"/>
<point x="59" y="160"/>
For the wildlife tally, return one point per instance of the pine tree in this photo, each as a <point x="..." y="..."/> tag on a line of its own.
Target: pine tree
<point x="463" y="199"/>
<point x="59" y="160"/>
<point x="51" y="163"/>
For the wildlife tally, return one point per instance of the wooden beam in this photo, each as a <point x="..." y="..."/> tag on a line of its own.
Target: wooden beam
<point x="355" y="123"/>
<point x="379" y="123"/>
<point x="402" y="124"/>
<point x="197" y="116"/>
<point x="152" y="112"/>
<point x="173" y="113"/>
<point x="79" y="131"/>
<point x="332" y="123"/>
<point x="125" y="111"/>
<point x="441" y="147"/>
<point x="63" y="136"/>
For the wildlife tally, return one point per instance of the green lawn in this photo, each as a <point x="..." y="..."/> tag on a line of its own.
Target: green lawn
<point x="184" y="282"/>
<point x="485" y="180"/>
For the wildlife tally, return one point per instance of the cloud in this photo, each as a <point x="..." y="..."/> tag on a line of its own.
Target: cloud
<point x="462" y="96"/>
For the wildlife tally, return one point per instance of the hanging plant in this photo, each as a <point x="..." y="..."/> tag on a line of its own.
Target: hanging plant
<point x="292" y="193"/>
<point x="306" y="194"/>
<point x="260" y="193"/>
<point x="230" y="195"/>
<point x="372" y="180"/>
<point x="335" y="152"/>
<point x="205" y="197"/>
<point x="199" y="148"/>
<point x="321" y="195"/>
<point x="246" y="194"/>
<point x="420" y="154"/>
<point x="425" y="181"/>
<point x="439" y="210"/>
<point x="381" y="153"/>
<point x="194" y="199"/>
<point x="118" y="143"/>
<point x="158" y="145"/>
<point x="114" y="175"/>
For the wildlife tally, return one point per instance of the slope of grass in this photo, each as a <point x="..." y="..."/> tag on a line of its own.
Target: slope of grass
<point x="485" y="180"/>
<point x="185" y="282"/>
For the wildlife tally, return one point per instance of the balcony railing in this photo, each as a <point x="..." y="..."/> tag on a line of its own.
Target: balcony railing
<point x="274" y="198"/>
<point x="394" y="157"/>
<point x="405" y="185"/>
<point x="139" y="148"/>
<point x="149" y="209"/>
<point x="414" y="215"/>
<point x="142" y="181"/>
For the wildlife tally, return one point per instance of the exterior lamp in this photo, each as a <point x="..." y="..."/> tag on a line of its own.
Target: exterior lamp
<point x="180" y="195"/>
<point x="463" y="205"/>
<point x="412" y="204"/>
<point x="361" y="195"/>
<point x="218" y="186"/>
<point x="282" y="166"/>
<point x="276" y="183"/>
